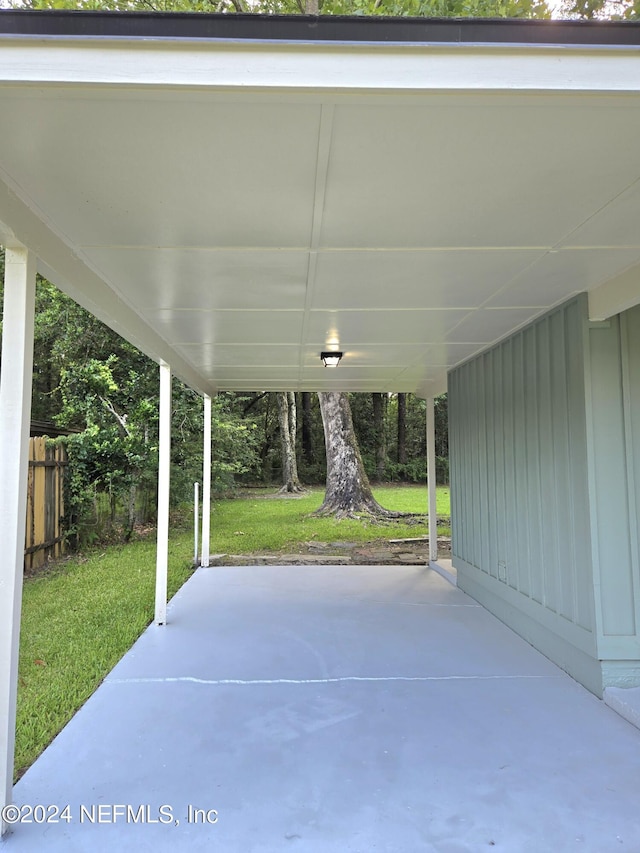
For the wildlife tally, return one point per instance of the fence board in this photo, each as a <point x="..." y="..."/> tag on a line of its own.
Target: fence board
<point x="44" y="538"/>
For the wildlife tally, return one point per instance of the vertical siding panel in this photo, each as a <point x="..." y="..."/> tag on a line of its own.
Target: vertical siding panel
<point x="576" y="413"/>
<point x="611" y="506"/>
<point x="491" y="512"/>
<point x="455" y="419"/>
<point x="462" y="445"/>
<point x="632" y="390"/>
<point x="496" y="474"/>
<point x="498" y="439"/>
<point x="510" y="558"/>
<point x="454" y="458"/>
<point x="472" y="470"/>
<point x="477" y="452"/>
<point x="559" y="391"/>
<point x="481" y="515"/>
<point x="520" y="453"/>
<point x="534" y="496"/>
<point x="515" y="559"/>
<point x="452" y="401"/>
<point x="464" y="476"/>
<point x="475" y="369"/>
<point x="460" y="416"/>
<point x="547" y="477"/>
<point x="485" y="522"/>
<point x="468" y="467"/>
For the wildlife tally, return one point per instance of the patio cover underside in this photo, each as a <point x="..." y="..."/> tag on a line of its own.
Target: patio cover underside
<point x="236" y="205"/>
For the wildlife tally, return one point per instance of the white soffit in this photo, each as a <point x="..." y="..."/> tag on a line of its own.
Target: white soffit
<point x="234" y="208"/>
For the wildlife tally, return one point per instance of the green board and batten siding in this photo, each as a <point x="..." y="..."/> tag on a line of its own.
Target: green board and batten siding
<point x="613" y="405"/>
<point x="537" y="498"/>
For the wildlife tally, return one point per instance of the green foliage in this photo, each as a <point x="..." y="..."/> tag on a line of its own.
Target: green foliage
<point x="611" y="10"/>
<point x="112" y="458"/>
<point x="122" y="5"/>
<point x="439" y="8"/>
<point x="235" y="442"/>
<point x="388" y="8"/>
<point x="313" y="473"/>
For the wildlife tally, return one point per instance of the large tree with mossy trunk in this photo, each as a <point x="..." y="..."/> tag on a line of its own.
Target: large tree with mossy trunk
<point x="348" y="492"/>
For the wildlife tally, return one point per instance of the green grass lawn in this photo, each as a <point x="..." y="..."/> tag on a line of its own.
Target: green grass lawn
<point x="262" y="522"/>
<point x="81" y="616"/>
<point x="78" y="619"/>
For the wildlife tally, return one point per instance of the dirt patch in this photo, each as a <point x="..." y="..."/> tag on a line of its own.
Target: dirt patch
<point x="405" y="552"/>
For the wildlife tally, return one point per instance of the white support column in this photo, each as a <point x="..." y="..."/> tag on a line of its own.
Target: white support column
<point x="196" y="516"/>
<point x="206" y="485"/>
<point x="164" y="468"/>
<point x="15" y="412"/>
<point x="431" y="479"/>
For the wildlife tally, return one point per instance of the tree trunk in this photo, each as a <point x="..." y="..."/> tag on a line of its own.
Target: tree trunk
<point x="348" y="490"/>
<point x="287" y="421"/>
<point x="380" y="435"/>
<point x="402" y="429"/>
<point x="307" y="439"/>
<point x="131" y="511"/>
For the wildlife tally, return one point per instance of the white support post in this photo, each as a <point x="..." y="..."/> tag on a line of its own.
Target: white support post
<point x="206" y="485"/>
<point x="431" y="479"/>
<point x="15" y="412"/>
<point x="164" y="468"/>
<point x="196" y="513"/>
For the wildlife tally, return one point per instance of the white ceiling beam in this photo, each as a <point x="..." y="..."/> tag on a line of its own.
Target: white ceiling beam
<point x="63" y="267"/>
<point x="301" y="66"/>
<point x="615" y="295"/>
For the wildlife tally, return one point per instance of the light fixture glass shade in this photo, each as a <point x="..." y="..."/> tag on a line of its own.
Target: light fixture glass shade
<point x="331" y="359"/>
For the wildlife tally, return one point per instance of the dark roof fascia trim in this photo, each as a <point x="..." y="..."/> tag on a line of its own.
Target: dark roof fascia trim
<point x="325" y="28"/>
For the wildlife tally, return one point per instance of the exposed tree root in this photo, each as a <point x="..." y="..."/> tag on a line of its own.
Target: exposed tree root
<point x="372" y="512"/>
<point x="291" y="489"/>
<point x="371" y="518"/>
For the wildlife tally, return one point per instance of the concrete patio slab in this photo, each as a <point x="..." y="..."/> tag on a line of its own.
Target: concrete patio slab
<point x="318" y="709"/>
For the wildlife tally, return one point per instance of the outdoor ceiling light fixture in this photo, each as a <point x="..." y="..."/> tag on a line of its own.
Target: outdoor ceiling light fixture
<point x="331" y="359"/>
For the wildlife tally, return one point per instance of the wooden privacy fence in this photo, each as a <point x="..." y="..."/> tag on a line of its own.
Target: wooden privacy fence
<point x="44" y="538"/>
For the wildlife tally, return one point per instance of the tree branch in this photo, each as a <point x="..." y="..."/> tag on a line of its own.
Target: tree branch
<point x="122" y="419"/>
<point x="252" y="403"/>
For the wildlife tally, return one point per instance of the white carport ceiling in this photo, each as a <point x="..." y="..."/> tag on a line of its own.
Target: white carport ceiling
<point x="235" y="207"/>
